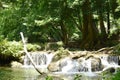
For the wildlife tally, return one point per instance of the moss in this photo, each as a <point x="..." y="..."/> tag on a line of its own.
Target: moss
<point x="49" y="78"/>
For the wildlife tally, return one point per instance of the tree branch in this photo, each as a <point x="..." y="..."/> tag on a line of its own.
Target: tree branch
<point x="25" y="49"/>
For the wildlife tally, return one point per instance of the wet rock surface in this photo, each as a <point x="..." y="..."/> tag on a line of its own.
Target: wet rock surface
<point x="74" y="61"/>
<point x="96" y="64"/>
<point x="69" y="63"/>
<point x="85" y="61"/>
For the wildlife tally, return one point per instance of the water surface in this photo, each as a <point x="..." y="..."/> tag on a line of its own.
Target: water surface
<point x="32" y="74"/>
<point x="18" y="74"/>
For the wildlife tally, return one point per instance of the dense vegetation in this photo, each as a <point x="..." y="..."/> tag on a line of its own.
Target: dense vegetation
<point x="85" y="24"/>
<point x="12" y="51"/>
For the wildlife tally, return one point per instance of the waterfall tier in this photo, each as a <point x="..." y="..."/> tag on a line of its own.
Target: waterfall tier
<point x="73" y="63"/>
<point x="41" y="59"/>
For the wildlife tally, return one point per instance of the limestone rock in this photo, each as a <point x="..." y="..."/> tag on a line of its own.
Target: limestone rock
<point x="96" y="64"/>
<point x="16" y="64"/>
<point x="54" y="66"/>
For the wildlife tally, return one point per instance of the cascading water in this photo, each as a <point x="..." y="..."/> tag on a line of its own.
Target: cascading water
<point x="110" y="61"/>
<point x="81" y="64"/>
<point x="41" y="59"/>
<point x="87" y="64"/>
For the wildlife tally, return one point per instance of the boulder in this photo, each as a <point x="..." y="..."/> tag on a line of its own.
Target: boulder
<point x="96" y="64"/>
<point x="54" y="66"/>
<point x="16" y="64"/>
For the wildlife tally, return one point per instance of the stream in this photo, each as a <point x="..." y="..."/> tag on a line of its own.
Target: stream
<point x="18" y="74"/>
<point x="83" y="65"/>
<point x="31" y="74"/>
<point x="79" y="66"/>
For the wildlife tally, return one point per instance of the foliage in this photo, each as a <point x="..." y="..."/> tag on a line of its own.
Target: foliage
<point x="77" y="77"/>
<point x="10" y="48"/>
<point x="60" y="20"/>
<point x="49" y="78"/>
<point x="13" y="48"/>
<point x="1" y="37"/>
<point x="115" y="76"/>
<point x="61" y="53"/>
<point x="33" y="47"/>
<point x="117" y="49"/>
<point x="10" y="20"/>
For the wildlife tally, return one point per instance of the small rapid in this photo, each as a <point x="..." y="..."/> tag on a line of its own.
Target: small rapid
<point x="41" y="59"/>
<point x="89" y="65"/>
<point x="69" y="64"/>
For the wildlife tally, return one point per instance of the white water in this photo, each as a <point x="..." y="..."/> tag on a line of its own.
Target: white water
<point x="41" y="59"/>
<point x="110" y="61"/>
<point x="69" y="67"/>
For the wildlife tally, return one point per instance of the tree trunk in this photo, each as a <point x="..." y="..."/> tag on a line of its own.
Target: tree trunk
<point x="99" y="4"/>
<point x="1" y="6"/>
<point x="108" y="23"/>
<point x="108" y="18"/>
<point x="63" y="13"/>
<point x="102" y="27"/>
<point x="64" y="33"/>
<point x="89" y="30"/>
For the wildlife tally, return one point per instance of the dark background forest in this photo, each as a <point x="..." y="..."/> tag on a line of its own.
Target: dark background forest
<point x="84" y="24"/>
<point x="92" y="25"/>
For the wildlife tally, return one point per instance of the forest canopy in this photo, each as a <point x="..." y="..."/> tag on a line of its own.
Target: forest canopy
<point x="87" y="24"/>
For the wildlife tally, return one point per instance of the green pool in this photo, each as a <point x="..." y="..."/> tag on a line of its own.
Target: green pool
<point x="18" y="74"/>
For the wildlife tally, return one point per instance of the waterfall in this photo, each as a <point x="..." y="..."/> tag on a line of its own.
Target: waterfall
<point x="88" y="66"/>
<point x="83" y="64"/>
<point x="110" y="61"/>
<point x="113" y="59"/>
<point x="41" y="59"/>
<point x="68" y="64"/>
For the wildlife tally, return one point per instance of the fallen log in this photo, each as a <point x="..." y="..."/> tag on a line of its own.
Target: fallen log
<point x="27" y="53"/>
